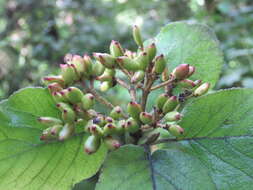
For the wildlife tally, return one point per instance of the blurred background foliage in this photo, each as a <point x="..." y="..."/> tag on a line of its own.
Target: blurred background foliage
<point x="35" y="35"/>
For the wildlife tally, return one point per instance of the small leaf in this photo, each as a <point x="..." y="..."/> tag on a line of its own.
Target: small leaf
<point x="195" y="44"/>
<point x="26" y="162"/>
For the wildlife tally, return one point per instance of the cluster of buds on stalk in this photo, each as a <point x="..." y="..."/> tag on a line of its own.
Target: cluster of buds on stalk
<point x="75" y="95"/>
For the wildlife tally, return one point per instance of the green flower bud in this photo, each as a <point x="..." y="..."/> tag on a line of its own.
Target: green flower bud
<point x="49" y="121"/>
<point x="64" y="95"/>
<point x="176" y="130"/>
<point x="116" y="112"/>
<point x="120" y="126"/>
<point x="137" y="36"/>
<point x="54" y="87"/>
<point x="170" y="104"/>
<point x="74" y="95"/>
<point x="191" y="71"/>
<point x="128" y="63"/>
<point x="115" y="49"/>
<point x="186" y="83"/>
<point x="68" y="115"/>
<point x="68" y="74"/>
<point x="46" y="135"/>
<point x="61" y="106"/>
<point x="165" y="74"/>
<point x="81" y="122"/>
<point x="134" y="110"/>
<point x="96" y="130"/>
<point x="106" y="85"/>
<point x="88" y="64"/>
<point x="130" y="54"/>
<point x="112" y="143"/>
<point x="131" y="125"/>
<point x="78" y="63"/>
<point x="160" y="101"/>
<point x="100" y="120"/>
<point x="197" y="83"/>
<point x="97" y="69"/>
<point x="66" y="132"/>
<point x="92" y="144"/>
<point x="142" y="60"/>
<point x="88" y="101"/>
<point x="107" y="75"/>
<point x="160" y="64"/>
<point x="172" y="116"/>
<point x="106" y="59"/>
<point x="54" y="79"/>
<point x="146" y="118"/>
<point x="58" y="97"/>
<point x="109" y="120"/>
<point x="137" y="77"/>
<point x="55" y="130"/>
<point x="181" y="71"/>
<point x="202" y="89"/>
<point x="151" y="51"/>
<point x="82" y="113"/>
<point x="110" y="129"/>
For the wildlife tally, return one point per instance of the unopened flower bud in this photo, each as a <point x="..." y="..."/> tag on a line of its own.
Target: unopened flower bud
<point x="68" y="73"/>
<point x="78" y="63"/>
<point x="128" y="63"/>
<point x="186" y="83"/>
<point x="137" y="36"/>
<point x="151" y="51"/>
<point x="107" y="75"/>
<point x="181" y="71"/>
<point x="66" y="132"/>
<point x="88" y="101"/>
<point x="61" y="106"/>
<point x="54" y="87"/>
<point x="160" y="64"/>
<point x="109" y="120"/>
<point x="96" y="130"/>
<point x="191" y="71"/>
<point x="49" y="121"/>
<point x="161" y="99"/>
<point x="46" y="135"/>
<point x="68" y="115"/>
<point x="170" y="104"/>
<point x="58" y="97"/>
<point x="137" y="77"/>
<point x="53" y="79"/>
<point x="142" y="60"/>
<point x="120" y="126"/>
<point x="129" y="54"/>
<point x="74" y="95"/>
<point x="172" y="116"/>
<point x="112" y="143"/>
<point x="110" y="129"/>
<point x="87" y="65"/>
<point x="131" y="125"/>
<point x="146" y="118"/>
<point x="134" y="109"/>
<point x="202" y="89"/>
<point x="97" y="69"/>
<point x="55" y="130"/>
<point x="176" y="130"/>
<point x="116" y="112"/>
<point x="92" y="144"/>
<point x="99" y="120"/>
<point x="197" y="83"/>
<point x="116" y="49"/>
<point x="106" y="59"/>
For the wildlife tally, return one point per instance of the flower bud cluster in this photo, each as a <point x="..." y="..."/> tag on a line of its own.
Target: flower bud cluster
<point x="75" y="96"/>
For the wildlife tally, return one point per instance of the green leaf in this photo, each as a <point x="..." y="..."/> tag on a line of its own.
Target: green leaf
<point x="195" y="44"/>
<point x="217" y="151"/>
<point x="26" y="162"/>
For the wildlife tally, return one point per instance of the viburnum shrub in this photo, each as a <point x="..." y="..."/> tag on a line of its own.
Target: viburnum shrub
<point x="169" y="134"/>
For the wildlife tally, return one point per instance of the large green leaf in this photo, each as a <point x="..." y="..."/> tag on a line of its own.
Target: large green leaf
<point x="216" y="152"/>
<point x="195" y="44"/>
<point x="26" y="162"/>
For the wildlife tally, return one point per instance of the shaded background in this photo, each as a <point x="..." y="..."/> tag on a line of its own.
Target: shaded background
<point x="35" y="35"/>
